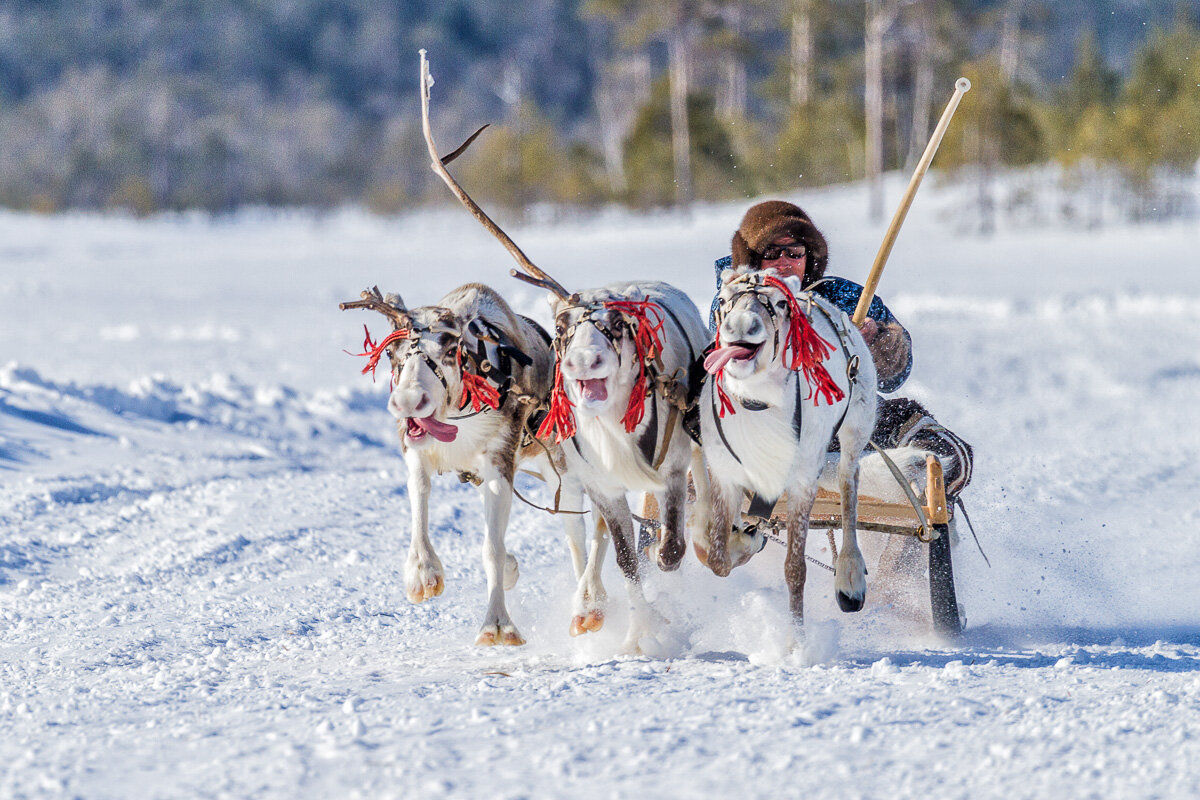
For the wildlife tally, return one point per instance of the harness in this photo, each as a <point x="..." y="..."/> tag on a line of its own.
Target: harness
<point x="485" y="384"/>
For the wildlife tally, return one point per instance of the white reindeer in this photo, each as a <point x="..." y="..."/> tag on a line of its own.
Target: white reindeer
<point x="467" y="375"/>
<point x="624" y="353"/>
<point x="789" y="372"/>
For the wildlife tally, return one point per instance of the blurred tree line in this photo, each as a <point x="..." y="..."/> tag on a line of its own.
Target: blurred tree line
<point x="217" y="104"/>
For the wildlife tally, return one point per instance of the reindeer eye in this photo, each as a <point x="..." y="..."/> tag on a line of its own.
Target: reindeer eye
<point x="780" y="304"/>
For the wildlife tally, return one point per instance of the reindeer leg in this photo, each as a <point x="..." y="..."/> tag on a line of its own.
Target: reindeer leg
<point x="673" y="544"/>
<point x="724" y="502"/>
<point x="424" y="577"/>
<point x="589" y="600"/>
<point x="850" y="581"/>
<point x="496" y="489"/>
<point x="571" y="499"/>
<point x="590" y="597"/>
<point x="616" y="514"/>
<point x="795" y="567"/>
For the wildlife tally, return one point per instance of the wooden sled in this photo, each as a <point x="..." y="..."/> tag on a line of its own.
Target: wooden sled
<point x="898" y="518"/>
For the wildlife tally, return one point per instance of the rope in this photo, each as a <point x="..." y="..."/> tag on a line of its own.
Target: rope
<point x="963" y="509"/>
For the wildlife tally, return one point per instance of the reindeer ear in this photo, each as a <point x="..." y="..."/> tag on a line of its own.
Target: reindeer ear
<point x="555" y="302"/>
<point x="395" y="300"/>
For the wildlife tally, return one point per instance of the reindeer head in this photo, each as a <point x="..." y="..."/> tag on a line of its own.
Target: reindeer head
<point x="424" y="350"/>
<point x="753" y="318"/>
<point x="763" y="333"/>
<point x="592" y="343"/>
<point x="605" y="345"/>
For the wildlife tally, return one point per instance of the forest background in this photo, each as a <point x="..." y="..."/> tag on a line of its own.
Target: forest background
<point x="149" y="106"/>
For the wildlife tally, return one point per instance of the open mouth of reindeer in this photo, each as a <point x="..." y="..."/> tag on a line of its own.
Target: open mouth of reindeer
<point x="733" y="352"/>
<point x="593" y="390"/>
<point x="417" y="428"/>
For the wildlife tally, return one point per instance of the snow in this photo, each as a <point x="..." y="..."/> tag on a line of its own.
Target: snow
<point x="205" y="522"/>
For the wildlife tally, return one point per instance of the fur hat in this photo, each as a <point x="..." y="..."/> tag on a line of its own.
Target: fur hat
<point x="766" y="222"/>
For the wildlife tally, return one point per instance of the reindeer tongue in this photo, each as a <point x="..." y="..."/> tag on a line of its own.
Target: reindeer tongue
<point x="594" y="389"/>
<point x="719" y="358"/>
<point x="442" y="431"/>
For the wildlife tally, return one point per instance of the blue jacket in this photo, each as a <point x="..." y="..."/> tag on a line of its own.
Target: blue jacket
<point x="844" y="294"/>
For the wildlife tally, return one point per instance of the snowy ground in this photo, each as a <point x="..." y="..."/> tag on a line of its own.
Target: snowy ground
<point x="203" y="522"/>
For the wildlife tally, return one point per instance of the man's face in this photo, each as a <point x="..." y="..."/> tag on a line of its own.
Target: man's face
<point x="786" y="255"/>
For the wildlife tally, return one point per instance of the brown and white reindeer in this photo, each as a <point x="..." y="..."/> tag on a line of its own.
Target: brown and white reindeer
<point x="624" y="356"/>
<point x="429" y="398"/>
<point x="467" y="374"/>
<point x="788" y="373"/>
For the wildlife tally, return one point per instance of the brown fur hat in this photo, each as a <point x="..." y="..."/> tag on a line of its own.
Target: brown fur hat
<point x="766" y="222"/>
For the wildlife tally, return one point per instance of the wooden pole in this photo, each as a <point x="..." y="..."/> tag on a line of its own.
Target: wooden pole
<point x="961" y="86"/>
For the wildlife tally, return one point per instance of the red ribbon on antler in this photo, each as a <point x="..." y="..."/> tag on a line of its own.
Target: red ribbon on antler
<point x="476" y="390"/>
<point x="373" y="352"/>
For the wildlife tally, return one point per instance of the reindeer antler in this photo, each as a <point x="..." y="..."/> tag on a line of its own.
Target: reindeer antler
<point x="391" y="306"/>
<point x="532" y="274"/>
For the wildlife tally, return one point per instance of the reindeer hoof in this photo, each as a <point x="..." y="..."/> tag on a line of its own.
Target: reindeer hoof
<point x="670" y="554"/>
<point x="701" y="553"/>
<point x="850" y="604"/>
<point x="427" y="588"/>
<point x="511" y="572"/>
<point x="587" y="623"/>
<point x="491" y="635"/>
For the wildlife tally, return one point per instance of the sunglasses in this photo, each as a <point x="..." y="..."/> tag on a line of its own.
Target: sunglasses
<point x="796" y="251"/>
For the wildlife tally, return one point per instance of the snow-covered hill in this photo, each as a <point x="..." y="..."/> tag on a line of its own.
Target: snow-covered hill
<point x="203" y="522"/>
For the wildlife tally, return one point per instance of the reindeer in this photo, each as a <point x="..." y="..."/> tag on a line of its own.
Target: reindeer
<point x="467" y="374"/>
<point x="779" y="391"/>
<point x="622" y="379"/>
<point x="624" y="354"/>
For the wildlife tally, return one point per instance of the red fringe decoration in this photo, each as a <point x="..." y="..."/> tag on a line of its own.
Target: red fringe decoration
<point x="561" y="415"/>
<point x="722" y="395"/>
<point x="808" y="349"/>
<point x="373" y="352"/>
<point x="647" y="345"/>
<point x="476" y="390"/>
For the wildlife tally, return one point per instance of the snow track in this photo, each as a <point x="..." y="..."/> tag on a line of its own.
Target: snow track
<point x="203" y="525"/>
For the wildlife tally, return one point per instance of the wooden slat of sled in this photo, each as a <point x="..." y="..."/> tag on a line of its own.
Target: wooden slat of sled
<point x="884" y="516"/>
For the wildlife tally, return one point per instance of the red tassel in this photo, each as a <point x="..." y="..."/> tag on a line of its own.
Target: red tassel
<point x="807" y="348"/>
<point x="718" y="379"/>
<point x="476" y="390"/>
<point x="561" y="415"/>
<point x="646" y="344"/>
<point x="373" y="352"/>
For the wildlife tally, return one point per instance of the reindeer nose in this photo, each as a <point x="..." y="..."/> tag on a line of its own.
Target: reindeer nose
<point x="405" y="403"/>
<point x="742" y="326"/>
<point x="584" y="359"/>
